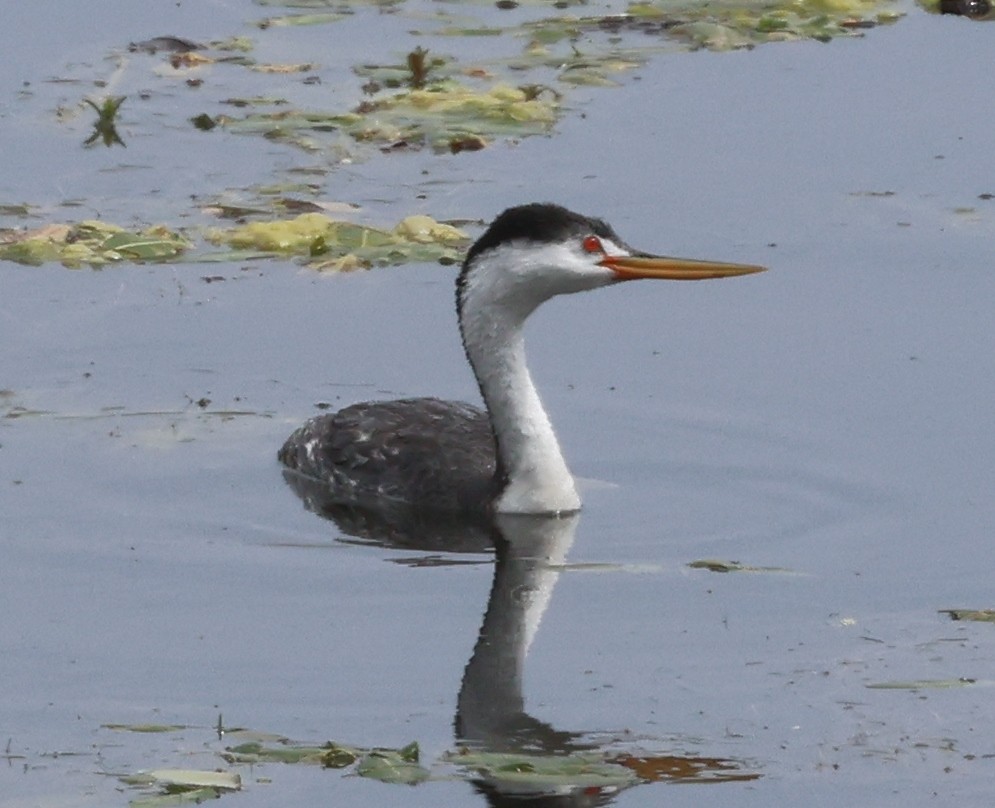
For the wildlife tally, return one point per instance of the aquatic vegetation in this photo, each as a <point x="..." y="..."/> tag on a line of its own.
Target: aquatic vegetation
<point x="419" y="66"/>
<point x="21" y="209"/>
<point x="593" y="770"/>
<point x="399" y="766"/>
<point x="450" y="112"/>
<point x="521" y="772"/>
<point x="347" y="5"/>
<point x="325" y="242"/>
<point x="320" y="18"/>
<point x="717" y="565"/>
<point x="425" y="100"/>
<point x="164" y="44"/>
<point x="181" y="786"/>
<point x="146" y="728"/>
<point x="728" y="24"/>
<point x="922" y="684"/>
<point x="693" y="24"/>
<point x="974" y="615"/>
<point x="333" y="244"/>
<point x="445" y="116"/>
<point x="533" y="774"/>
<point x="90" y="243"/>
<point x="440" y="110"/>
<point x="105" y="127"/>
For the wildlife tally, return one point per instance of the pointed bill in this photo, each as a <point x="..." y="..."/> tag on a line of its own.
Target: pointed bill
<point x="630" y="267"/>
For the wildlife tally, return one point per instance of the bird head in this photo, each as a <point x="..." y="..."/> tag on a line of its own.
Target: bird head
<point x="531" y="253"/>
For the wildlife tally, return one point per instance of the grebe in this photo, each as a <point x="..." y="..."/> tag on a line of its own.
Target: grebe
<point x="451" y="456"/>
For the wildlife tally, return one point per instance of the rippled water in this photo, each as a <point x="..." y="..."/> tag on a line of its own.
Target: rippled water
<point x="832" y="417"/>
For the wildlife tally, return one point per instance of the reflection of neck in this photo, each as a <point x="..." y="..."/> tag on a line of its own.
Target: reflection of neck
<point x="491" y="706"/>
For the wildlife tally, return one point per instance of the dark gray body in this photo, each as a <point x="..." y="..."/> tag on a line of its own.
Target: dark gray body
<point x="429" y="453"/>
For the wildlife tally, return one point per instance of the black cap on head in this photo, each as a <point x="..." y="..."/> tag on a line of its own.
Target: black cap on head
<point x="541" y="223"/>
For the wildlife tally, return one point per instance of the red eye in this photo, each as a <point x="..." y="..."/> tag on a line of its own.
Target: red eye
<point x="592" y="244"/>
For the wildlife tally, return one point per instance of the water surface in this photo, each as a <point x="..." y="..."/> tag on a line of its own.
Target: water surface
<point x="832" y="417"/>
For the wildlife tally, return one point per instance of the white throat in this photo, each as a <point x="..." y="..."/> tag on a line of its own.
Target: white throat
<point x="495" y="305"/>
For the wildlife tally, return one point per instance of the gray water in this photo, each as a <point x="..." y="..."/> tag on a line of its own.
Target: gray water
<point x="833" y="417"/>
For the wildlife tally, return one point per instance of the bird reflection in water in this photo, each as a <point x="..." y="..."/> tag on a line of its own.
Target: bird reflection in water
<point x="491" y="719"/>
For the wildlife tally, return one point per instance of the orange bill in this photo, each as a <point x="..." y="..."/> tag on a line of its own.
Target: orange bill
<point x="630" y="267"/>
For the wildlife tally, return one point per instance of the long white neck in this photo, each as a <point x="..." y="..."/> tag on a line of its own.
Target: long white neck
<point x="538" y="479"/>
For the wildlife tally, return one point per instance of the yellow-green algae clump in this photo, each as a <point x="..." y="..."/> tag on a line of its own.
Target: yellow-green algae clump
<point x="324" y="242"/>
<point x="727" y="25"/>
<point x="332" y="244"/>
<point x="90" y="243"/>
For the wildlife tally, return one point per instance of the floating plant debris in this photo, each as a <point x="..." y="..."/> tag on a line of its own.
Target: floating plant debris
<point x="90" y="243"/>
<point x="327" y="243"/>
<point x="546" y="774"/>
<point x="145" y="728"/>
<point x="335" y="244"/>
<point x="181" y="786"/>
<point x="975" y="615"/>
<point x="923" y="684"/>
<point x="167" y="44"/>
<point x="717" y="565"/>
<point x="418" y="99"/>
<point x="105" y="127"/>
